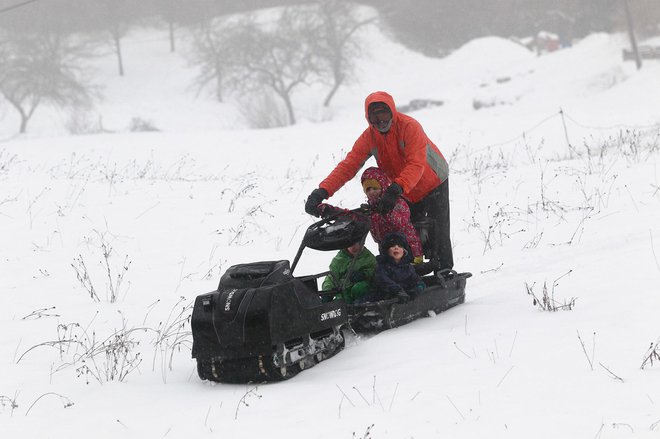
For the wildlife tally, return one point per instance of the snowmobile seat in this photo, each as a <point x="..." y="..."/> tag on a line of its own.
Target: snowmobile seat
<point x="256" y="274"/>
<point x="310" y="281"/>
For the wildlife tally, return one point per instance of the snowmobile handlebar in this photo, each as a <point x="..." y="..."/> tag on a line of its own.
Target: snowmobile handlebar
<point x="329" y="212"/>
<point x="337" y="229"/>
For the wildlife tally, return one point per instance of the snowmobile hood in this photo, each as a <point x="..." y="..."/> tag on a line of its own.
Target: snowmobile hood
<point x="384" y="97"/>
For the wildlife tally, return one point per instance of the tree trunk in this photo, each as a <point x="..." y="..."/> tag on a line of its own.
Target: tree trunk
<point x="24" y="122"/>
<point x="631" y="33"/>
<point x="25" y="115"/>
<point x="218" y="79"/>
<point x="120" y="60"/>
<point x="289" y="109"/>
<point x="171" y="28"/>
<point x="335" y="87"/>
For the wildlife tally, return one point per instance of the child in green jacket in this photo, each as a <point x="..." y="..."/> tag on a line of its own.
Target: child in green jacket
<point x="360" y="278"/>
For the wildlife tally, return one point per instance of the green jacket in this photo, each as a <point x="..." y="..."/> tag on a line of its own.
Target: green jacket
<point x="365" y="263"/>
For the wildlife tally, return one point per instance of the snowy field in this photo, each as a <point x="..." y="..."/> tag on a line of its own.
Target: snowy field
<point x="107" y="238"/>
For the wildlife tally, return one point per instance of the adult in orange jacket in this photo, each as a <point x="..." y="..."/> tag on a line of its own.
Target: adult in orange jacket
<point x="418" y="170"/>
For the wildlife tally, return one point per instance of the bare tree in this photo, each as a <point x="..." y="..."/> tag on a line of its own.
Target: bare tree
<point x="276" y="57"/>
<point x="40" y="69"/>
<point x="170" y="11"/>
<point x="335" y="41"/>
<point x="253" y="57"/>
<point x="115" y="16"/>
<point x="217" y="45"/>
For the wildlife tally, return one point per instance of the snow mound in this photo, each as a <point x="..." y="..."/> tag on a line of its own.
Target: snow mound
<point x="490" y="53"/>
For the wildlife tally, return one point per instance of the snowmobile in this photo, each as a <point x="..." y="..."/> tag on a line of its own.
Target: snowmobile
<point x="264" y="324"/>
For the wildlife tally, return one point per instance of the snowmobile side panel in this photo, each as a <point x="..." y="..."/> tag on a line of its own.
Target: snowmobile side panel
<point x="440" y="294"/>
<point x="303" y="313"/>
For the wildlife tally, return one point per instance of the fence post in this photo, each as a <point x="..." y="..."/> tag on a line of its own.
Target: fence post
<point x="571" y="149"/>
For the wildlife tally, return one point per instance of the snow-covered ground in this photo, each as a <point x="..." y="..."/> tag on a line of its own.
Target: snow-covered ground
<point x="554" y="183"/>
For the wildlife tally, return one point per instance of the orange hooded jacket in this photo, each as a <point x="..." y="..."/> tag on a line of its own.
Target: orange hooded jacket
<point x="405" y="153"/>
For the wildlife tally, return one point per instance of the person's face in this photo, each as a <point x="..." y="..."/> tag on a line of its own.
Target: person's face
<point x="396" y="252"/>
<point x="355" y="249"/>
<point x="373" y="193"/>
<point x="381" y="120"/>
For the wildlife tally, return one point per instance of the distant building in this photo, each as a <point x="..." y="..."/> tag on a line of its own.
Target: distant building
<point x="546" y="42"/>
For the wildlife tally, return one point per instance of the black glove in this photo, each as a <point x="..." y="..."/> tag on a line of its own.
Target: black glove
<point x="313" y="201"/>
<point x="357" y="276"/>
<point x="325" y="210"/>
<point x="390" y="197"/>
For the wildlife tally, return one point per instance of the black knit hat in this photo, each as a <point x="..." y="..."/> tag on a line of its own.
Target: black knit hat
<point x="393" y="239"/>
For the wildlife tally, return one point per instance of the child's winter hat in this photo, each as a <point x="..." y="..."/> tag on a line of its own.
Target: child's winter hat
<point x="374" y="177"/>
<point x="370" y="183"/>
<point x="393" y="239"/>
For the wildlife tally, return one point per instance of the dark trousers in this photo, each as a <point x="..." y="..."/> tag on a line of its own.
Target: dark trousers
<point x="435" y="206"/>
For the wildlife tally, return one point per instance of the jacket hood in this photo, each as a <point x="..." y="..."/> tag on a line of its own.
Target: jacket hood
<point x="373" y="173"/>
<point x="380" y="96"/>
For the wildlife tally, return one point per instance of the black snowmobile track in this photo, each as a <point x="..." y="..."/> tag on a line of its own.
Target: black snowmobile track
<point x="286" y="362"/>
